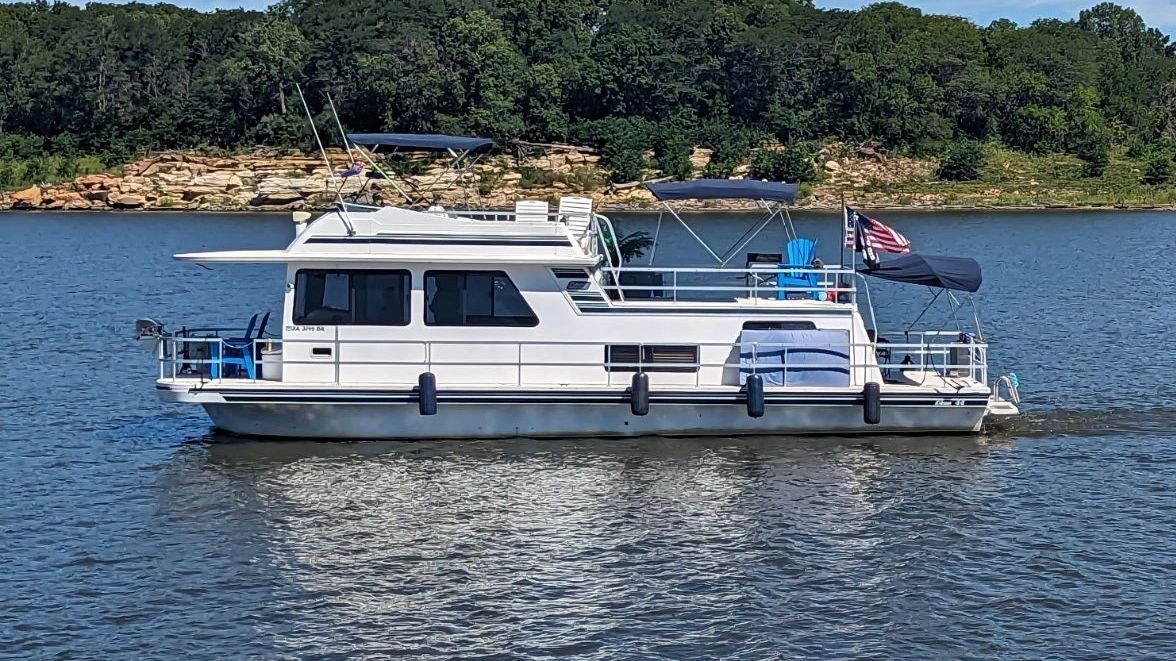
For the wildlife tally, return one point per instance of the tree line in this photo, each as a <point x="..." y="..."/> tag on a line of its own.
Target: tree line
<point x="626" y="76"/>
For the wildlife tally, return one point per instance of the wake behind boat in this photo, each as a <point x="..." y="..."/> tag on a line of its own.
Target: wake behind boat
<point x="408" y="324"/>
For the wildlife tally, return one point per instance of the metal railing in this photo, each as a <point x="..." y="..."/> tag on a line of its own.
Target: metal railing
<point x="193" y="357"/>
<point x="499" y="216"/>
<point x="704" y="283"/>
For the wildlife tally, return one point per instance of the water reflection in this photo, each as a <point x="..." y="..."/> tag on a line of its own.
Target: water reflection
<point x="596" y="532"/>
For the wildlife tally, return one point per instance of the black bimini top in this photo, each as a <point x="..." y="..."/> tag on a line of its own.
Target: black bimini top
<point x="423" y="141"/>
<point x="724" y="189"/>
<point x="960" y="273"/>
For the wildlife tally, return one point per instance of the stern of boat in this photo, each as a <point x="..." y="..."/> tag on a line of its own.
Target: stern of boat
<point x="1006" y="396"/>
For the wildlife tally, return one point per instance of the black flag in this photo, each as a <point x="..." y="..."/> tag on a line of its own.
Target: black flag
<point x="861" y="240"/>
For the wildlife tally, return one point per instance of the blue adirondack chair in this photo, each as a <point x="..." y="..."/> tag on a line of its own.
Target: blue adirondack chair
<point x="236" y="353"/>
<point x="800" y="253"/>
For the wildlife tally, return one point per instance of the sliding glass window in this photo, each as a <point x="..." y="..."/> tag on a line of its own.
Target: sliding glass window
<point x="359" y="297"/>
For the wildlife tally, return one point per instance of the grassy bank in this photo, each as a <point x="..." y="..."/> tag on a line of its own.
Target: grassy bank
<point x="1013" y="179"/>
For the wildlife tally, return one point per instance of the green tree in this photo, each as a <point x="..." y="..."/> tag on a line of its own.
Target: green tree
<point x="1089" y="137"/>
<point x="1039" y="130"/>
<point x="793" y="164"/>
<point x="491" y="72"/>
<point x="724" y="74"/>
<point x="272" y="54"/>
<point x="1158" y="169"/>
<point x="962" y="161"/>
<point x="622" y="144"/>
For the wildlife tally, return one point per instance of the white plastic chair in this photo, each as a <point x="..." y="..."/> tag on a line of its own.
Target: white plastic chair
<point x="577" y="213"/>
<point x="531" y="211"/>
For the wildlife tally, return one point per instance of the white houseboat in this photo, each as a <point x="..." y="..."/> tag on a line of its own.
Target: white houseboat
<point x="406" y="324"/>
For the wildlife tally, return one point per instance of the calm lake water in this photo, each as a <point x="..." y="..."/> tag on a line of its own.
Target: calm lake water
<point x="129" y="530"/>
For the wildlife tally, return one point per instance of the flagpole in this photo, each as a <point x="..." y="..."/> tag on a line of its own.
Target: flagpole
<point x="844" y="234"/>
<point x="857" y="240"/>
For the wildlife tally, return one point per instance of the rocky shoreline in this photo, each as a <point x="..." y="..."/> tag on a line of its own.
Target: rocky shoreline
<point x="264" y="180"/>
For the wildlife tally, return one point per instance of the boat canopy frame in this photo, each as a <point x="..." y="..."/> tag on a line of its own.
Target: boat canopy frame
<point x="940" y="274"/>
<point x="464" y="153"/>
<point x="770" y="196"/>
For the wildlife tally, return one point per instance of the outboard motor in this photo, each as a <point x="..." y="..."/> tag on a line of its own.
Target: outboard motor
<point x="148" y="332"/>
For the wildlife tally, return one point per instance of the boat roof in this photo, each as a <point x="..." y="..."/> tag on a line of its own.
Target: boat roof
<point x="395" y="234"/>
<point x="724" y="189"/>
<point x="421" y="141"/>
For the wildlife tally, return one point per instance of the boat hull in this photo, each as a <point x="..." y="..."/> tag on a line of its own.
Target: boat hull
<point x="503" y="420"/>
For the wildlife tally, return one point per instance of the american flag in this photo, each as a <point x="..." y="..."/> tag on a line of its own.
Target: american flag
<point x="874" y="235"/>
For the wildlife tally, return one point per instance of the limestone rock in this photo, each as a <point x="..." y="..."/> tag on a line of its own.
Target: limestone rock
<point x="219" y="179"/>
<point x="276" y="198"/>
<point x="832" y="166"/>
<point x="60" y="198"/>
<point x="700" y="157"/>
<point x="29" y="198"/>
<point x="127" y="200"/>
<point x="92" y="181"/>
<point x="132" y="184"/>
<point x="189" y="193"/>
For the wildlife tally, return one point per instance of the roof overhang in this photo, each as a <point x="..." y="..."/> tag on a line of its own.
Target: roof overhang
<point x="287" y="257"/>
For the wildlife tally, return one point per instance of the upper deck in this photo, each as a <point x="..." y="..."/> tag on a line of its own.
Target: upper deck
<point x="356" y="234"/>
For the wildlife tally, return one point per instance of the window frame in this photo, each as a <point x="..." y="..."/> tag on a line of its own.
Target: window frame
<point x="493" y="274"/>
<point x="789" y="324"/>
<point x="403" y="273"/>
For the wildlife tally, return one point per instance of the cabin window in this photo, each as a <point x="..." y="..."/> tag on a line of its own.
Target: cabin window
<point x="352" y="298"/>
<point x="475" y="298"/>
<point x="653" y="357"/>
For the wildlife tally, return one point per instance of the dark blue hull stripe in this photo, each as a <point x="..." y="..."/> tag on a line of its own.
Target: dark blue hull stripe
<point x="585" y="397"/>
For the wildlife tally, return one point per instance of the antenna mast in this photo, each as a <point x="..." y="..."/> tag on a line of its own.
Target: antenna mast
<point x="323" y="150"/>
<point x="370" y="161"/>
